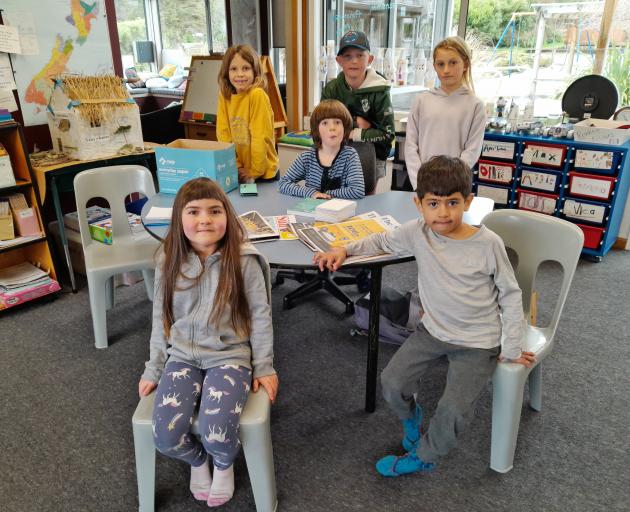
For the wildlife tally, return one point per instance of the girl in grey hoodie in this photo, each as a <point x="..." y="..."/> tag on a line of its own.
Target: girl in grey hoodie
<point x="212" y="337"/>
<point x="448" y="120"/>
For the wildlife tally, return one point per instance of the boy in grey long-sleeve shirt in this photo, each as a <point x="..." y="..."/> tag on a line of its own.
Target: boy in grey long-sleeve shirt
<point x="471" y="303"/>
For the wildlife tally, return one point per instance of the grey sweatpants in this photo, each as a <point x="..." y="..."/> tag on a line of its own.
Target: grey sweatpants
<point x="468" y="372"/>
<point x="218" y="394"/>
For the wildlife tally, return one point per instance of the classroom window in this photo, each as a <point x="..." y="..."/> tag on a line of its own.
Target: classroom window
<point x="132" y="26"/>
<point x="401" y="34"/>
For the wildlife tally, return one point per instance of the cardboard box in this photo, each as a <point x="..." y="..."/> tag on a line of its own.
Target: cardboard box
<point x="185" y="159"/>
<point x="7" y="179"/>
<point x="602" y="131"/>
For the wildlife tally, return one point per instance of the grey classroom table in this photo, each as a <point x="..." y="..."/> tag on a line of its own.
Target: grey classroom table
<point x="294" y="254"/>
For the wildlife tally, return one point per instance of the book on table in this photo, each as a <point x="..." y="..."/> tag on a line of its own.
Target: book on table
<point x="335" y="210"/>
<point x="258" y="229"/>
<point x="306" y="207"/>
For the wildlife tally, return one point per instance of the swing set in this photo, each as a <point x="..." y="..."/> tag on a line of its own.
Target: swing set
<point x="543" y="12"/>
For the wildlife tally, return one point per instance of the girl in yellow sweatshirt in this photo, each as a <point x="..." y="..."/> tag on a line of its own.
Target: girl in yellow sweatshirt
<point x="244" y="116"/>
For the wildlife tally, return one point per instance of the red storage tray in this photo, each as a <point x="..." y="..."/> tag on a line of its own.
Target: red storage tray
<point x="591" y="186"/>
<point x="536" y="201"/>
<point x="592" y="236"/>
<point x="496" y="172"/>
<point x="539" y="154"/>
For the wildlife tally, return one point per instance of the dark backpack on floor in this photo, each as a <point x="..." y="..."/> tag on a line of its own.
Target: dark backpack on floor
<point x="394" y="324"/>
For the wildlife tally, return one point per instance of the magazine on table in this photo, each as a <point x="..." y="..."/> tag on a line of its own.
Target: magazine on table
<point x="324" y="238"/>
<point x="258" y="229"/>
<point x="282" y="224"/>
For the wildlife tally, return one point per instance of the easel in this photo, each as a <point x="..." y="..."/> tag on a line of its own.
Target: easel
<point x="197" y="116"/>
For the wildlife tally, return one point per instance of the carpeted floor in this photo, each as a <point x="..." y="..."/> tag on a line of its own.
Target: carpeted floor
<point x="66" y="410"/>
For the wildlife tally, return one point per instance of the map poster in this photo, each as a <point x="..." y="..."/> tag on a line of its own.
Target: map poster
<point x="60" y="36"/>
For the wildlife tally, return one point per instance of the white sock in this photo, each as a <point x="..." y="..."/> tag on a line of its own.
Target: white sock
<point x="222" y="486"/>
<point x="200" y="481"/>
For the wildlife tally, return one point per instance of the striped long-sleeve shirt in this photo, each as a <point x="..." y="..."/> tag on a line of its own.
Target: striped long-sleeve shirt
<point x="344" y="179"/>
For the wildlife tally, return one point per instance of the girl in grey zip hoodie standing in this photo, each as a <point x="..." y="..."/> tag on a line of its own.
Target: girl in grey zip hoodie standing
<point x="448" y="120"/>
<point x="212" y="337"/>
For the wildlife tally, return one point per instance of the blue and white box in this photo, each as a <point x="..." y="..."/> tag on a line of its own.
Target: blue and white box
<point x="185" y="159"/>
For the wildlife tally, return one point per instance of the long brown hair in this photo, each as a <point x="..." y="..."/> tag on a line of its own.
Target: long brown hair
<point x="230" y="290"/>
<point x="457" y="44"/>
<point x="249" y="55"/>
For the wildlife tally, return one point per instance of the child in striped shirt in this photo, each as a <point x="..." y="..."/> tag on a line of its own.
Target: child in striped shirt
<point x="330" y="168"/>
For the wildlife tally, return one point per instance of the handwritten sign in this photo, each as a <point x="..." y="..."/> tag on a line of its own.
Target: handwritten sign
<point x="497" y="149"/>
<point x="498" y="194"/>
<point x="500" y="173"/>
<point x="551" y="156"/>
<point x="539" y="180"/>
<point x="584" y="211"/>
<point x="590" y="187"/>
<point x="536" y="202"/>
<point x="9" y="40"/>
<point x="593" y="159"/>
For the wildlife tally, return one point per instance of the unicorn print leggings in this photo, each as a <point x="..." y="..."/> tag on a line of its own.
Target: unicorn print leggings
<point x="218" y="393"/>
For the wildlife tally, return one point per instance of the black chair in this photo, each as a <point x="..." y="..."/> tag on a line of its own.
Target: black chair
<point x="314" y="281"/>
<point x="162" y="126"/>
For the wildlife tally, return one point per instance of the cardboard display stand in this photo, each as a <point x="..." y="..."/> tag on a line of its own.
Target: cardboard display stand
<point x="199" y="110"/>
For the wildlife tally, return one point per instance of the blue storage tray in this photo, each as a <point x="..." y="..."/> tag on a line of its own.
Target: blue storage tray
<point x="584" y="211"/>
<point x="541" y="180"/>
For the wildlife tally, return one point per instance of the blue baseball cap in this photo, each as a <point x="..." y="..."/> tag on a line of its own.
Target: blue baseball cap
<point x="354" y="39"/>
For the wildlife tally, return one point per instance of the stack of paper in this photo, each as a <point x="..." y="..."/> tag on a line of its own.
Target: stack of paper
<point x="335" y="210"/>
<point x="306" y="207"/>
<point x="158" y="216"/>
<point x="23" y="282"/>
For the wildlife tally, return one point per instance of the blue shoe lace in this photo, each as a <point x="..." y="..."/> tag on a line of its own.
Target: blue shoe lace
<point x="411" y="429"/>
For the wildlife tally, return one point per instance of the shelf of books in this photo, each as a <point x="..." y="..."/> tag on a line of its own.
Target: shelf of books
<point x="26" y="266"/>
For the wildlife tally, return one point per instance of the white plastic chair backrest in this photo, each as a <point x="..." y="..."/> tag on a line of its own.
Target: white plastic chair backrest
<point x="536" y="238"/>
<point x="113" y="183"/>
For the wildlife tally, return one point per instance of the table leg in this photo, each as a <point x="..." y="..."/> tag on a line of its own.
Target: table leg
<point x="62" y="231"/>
<point x="372" y="360"/>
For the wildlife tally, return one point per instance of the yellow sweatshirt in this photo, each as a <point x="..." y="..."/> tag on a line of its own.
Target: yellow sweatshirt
<point x="246" y="120"/>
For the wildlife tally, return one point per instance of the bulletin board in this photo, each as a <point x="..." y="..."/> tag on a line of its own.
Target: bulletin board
<point x="202" y="91"/>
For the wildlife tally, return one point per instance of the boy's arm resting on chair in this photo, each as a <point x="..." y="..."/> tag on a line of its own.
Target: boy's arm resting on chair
<point x="510" y="300"/>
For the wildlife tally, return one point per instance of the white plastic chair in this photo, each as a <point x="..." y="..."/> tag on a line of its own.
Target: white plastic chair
<point x="535" y="238"/>
<point x="254" y="433"/>
<point x="128" y="252"/>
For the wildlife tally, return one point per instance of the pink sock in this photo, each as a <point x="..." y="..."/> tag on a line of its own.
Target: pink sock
<point x="200" y="481"/>
<point x="222" y="486"/>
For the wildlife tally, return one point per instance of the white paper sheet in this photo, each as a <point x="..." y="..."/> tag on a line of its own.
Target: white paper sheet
<point x="9" y="40"/>
<point x="7" y="100"/>
<point x="6" y="73"/>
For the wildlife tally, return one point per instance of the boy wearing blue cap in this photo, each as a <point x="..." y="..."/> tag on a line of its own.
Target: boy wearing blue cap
<point x="366" y="95"/>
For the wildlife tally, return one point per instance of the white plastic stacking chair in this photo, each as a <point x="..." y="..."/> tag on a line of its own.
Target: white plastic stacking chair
<point x="128" y="252"/>
<point x="255" y="435"/>
<point x="535" y="238"/>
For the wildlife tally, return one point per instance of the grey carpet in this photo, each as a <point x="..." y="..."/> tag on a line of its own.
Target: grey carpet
<point x="65" y="413"/>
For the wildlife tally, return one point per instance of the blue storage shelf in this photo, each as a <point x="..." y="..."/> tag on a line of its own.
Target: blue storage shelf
<point x="620" y="168"/>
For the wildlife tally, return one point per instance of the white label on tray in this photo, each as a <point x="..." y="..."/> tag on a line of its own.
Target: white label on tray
<point x="497" y="149"/>
<point x="584" y="211"/>
<point x="544" y="155"/>
<point x="593" y="159"/>
<point x="498" y="195"/>
<point x="536" y="203"/>
<point x="495" y="172"/>
<point x="591" y="187"/>
<point x="539" y="180"/>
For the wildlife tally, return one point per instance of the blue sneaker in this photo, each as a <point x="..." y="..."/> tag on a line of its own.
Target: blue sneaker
<point x="411" y="429"/>
<point x="392" y="465"/>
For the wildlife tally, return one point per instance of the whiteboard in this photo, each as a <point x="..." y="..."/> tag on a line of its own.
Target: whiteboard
<point x="202" y="90"/>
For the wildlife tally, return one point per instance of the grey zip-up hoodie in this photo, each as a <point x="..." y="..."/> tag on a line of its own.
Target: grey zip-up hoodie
<point x="444" y="124"/>
<point x="193" y="339"/>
